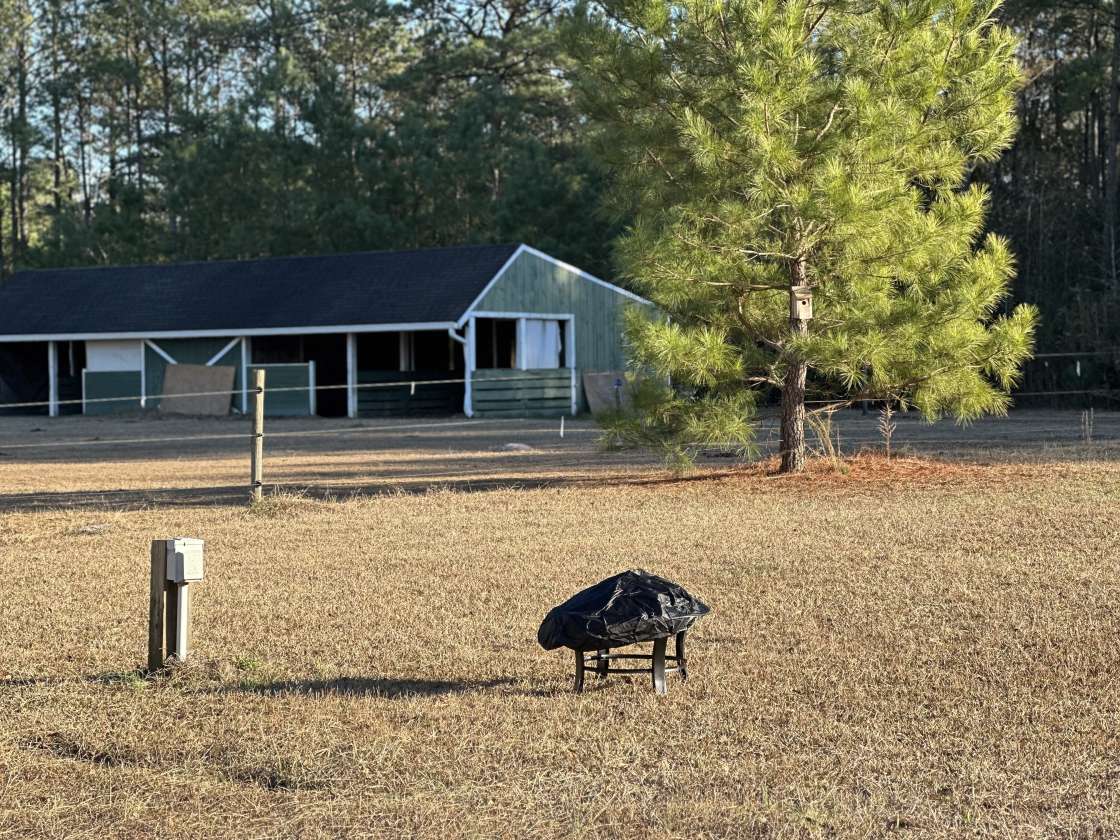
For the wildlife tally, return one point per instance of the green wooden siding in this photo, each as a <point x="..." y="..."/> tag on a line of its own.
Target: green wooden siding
<point x="188" y="351"/>
<point x="111" y="384"/>
<point x="532" y="284"/>
<point x="522" y="393"/>
<point x="285" y="389"/>
<point x="397" y="401"/>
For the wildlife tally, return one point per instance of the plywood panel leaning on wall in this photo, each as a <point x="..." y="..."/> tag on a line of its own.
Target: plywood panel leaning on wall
<point x="197" y="390"/>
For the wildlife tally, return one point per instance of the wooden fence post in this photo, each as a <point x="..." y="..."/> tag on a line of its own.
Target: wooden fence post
<point x="176" y="563"/>
<point x="257" y="452"/>
<point x="157" y="598"/>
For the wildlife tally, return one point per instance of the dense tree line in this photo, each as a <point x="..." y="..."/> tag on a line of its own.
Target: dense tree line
<point x="140" y="130"/>
<point x="1055" y="193"/>
<point x="137" y="130"/>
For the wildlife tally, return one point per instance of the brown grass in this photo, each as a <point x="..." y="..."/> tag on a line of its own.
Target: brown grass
<point x="917" y="647"/>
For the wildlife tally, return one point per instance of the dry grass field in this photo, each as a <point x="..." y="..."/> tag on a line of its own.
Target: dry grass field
<point x="925" y="648"/>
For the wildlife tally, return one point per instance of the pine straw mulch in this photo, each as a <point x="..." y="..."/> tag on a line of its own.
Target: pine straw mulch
<point x="864" y="470"/>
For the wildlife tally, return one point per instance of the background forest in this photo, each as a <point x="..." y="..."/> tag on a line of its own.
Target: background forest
<point x="156" y="130"/>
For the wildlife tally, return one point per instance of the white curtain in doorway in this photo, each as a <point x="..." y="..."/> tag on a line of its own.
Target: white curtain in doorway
<point x="542" y="344"/>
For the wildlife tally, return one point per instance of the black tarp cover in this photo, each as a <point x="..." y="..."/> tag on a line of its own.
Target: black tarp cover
<point x="624" y="609"/>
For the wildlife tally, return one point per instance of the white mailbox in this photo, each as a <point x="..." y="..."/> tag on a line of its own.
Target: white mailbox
<point x="184" y="560"/>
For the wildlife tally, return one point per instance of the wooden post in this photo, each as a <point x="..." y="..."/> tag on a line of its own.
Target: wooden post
<point x="157" y="627"/>
<point x="175" y="564"/>
<point x="257" y="453"/>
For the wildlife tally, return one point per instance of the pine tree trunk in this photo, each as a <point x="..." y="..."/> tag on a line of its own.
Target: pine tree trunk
<point x="793" y="391"/>
<point x="13" y="188"/>
<point x="793" y="411"/>
<point x="1112" y="173"/>
<point x="20" y="182"/>
<point x="3" y="258"/>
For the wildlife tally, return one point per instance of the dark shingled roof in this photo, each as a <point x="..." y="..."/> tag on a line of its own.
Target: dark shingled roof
<point x="374" y="287"/>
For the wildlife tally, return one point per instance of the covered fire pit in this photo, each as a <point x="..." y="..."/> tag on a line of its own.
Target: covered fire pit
<point x="626" y="609"/>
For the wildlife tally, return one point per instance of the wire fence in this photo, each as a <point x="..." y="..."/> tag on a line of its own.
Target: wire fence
<point x="1044" y="434"/>
<point x="412" y="385"/>
<point x="233" y="392"/>
<point x="1069" y="433"/>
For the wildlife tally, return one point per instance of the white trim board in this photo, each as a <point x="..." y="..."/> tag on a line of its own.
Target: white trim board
<point x="526" y="249"/>
<point x="512" y="316"/>
<point x="159" y="350"/>
<point x="213" y="361"/>
<point x="589" y="277"/>
<point x="490" y="285"/>
<point x="340" y="328"/>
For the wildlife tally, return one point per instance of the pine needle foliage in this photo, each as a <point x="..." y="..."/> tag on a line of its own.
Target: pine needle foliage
<point x="765" y="144"/>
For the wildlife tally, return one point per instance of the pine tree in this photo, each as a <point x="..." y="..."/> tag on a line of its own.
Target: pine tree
<point x="772" y="148"/>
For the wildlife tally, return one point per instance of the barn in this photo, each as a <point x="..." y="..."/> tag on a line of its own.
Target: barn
<point x="360" y="334"/>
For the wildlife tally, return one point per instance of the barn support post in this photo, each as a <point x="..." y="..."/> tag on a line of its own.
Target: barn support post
<point x="52" y="378"/>
<point x="570" y="359"/>
<point x="351" y="375"/>
<point x="143" y="376"/>
<point x="244" y="375"/>
<point x="312" y="393"/>
<point x="468" y="362"/>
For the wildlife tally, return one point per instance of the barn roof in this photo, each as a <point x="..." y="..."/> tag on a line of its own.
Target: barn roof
<point x="430" y="286"/>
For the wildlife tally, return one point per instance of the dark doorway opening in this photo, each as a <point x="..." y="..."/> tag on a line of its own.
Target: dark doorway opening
<point x="328" y="352"/>
<point x="71" y="363"/>
<point x="436" y="352"/>
<point x="24" y="376"/>
<point x="495" y="343"/>
<point x="404" y="374"/>
<point x="379" y="351"/>
<point x="278" y="349"/>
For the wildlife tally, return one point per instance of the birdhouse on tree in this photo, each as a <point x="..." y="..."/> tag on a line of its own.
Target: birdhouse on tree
<point x="801" y="303"/>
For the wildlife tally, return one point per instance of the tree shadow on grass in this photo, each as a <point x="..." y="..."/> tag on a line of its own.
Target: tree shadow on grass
<point x="388" y="687"/>
<point x="221" y="496"/>
<point x="129" y="678"/>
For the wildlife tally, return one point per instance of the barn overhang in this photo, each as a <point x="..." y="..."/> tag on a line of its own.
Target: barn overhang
<point x="155" y="335"/>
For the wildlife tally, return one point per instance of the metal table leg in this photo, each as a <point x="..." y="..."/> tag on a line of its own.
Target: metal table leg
<point x="603" y="663"/>
<point x="681" y="660"/>
<point x="579" y="671"/>
<point x="658" y="669"/>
